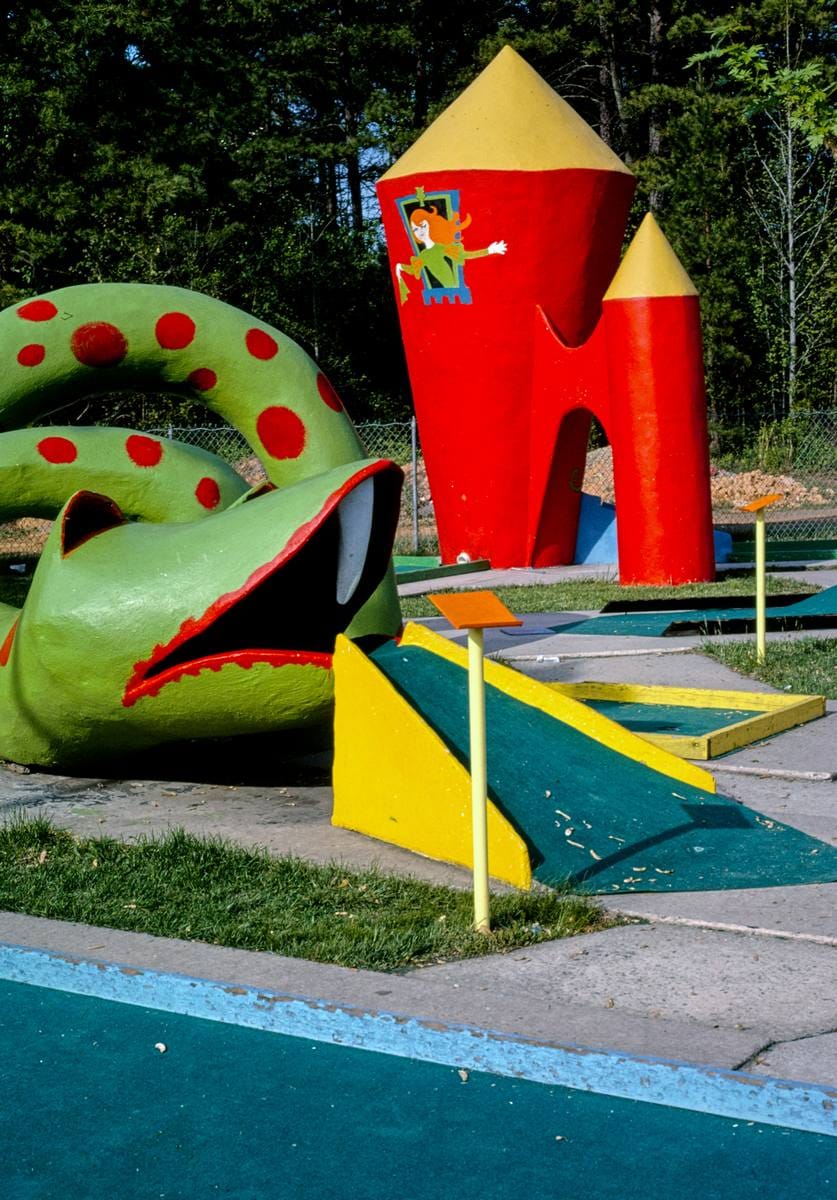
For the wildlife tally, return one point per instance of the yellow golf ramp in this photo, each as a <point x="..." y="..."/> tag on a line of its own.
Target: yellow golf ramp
<point x="400" y="777"/>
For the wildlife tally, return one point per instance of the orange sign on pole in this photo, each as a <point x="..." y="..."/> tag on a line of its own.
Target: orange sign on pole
<point x="762" y="502"/>
<point x="476" y="611"/>
<point x="758" y="507"/>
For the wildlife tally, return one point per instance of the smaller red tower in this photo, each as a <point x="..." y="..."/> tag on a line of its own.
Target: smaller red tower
<point x="657" y="423"/>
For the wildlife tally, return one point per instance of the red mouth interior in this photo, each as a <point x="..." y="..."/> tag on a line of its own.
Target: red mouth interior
<point x="287" y="611"/>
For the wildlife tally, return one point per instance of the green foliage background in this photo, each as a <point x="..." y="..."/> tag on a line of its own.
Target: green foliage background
<point x="233" y="147"/>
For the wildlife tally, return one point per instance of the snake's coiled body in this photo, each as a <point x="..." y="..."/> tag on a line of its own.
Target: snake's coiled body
<point x="169" y="602"/>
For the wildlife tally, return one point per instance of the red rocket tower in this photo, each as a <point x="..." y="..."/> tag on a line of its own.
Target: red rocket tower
<point x="655" y="416"/>
<point x="504" y="224"/>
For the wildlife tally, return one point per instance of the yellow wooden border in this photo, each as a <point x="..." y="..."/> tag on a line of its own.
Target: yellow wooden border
<point x="566" y="709"/>
<point x="779" y="711"/>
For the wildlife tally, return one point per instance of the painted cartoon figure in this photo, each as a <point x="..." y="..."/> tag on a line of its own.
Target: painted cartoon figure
<point x="442" y="253"/>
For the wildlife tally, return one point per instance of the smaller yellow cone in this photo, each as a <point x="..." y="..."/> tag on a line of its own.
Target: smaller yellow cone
<point x="650" y="267"/>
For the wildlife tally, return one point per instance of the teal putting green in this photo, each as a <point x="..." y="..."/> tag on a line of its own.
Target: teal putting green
<point x="786" y="551"/>
<point x="414" y="562"/>
<point x="592" y="817"/>
<point x="91" y="1110"/>
<point x="416" y="568"/>
<point x="670" y="718"/>
<point x="817" y="611"/>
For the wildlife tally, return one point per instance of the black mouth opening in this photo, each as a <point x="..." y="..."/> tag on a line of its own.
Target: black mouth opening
<point x="295" y="609"/>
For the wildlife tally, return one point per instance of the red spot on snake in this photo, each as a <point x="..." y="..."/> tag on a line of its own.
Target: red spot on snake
<point x="208" y="493"/>
<point x="37" y="310"/>
<point x="6" y="648"/>
<point x="144" y="451"/>
<point x="328" y="394"/>
<point x="203" y="379"/>
<point x="261" y="344"/>
<point x="31" y="355"/>
<point x="57" y="450"/>
<point x="174" y="330"/>
<point x="281" y="431"/>
<point x="99" y="344"/>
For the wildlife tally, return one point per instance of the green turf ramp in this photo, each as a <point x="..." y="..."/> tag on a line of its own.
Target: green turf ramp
<point x="593" y="817"/>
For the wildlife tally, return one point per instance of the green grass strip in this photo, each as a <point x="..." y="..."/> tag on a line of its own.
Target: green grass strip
<point x="209" y="890"/>
<point x="583" y="594"/>
<point x="808" y="665"/>
<point x="554" y="597"/>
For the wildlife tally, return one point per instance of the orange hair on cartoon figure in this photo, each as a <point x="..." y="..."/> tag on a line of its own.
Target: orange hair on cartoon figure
<point x="443" y="231"/>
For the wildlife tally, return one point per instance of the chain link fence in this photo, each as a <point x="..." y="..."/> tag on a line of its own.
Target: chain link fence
<point x="395" y="440"/>
<point x="391" y="440"/>
<point x="796" y="458"/>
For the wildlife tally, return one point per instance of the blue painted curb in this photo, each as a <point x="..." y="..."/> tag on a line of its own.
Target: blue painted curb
<point x="794" y="1105"/>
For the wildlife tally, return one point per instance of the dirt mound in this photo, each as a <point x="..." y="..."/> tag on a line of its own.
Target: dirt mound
<point x="251" y="470"/>
<point x="25" y="536"/>
<point x="730" y="489"/>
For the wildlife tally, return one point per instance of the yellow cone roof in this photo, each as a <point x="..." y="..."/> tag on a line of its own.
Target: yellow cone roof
<point x="650" y="267"/>
<point x="508" y="119"/>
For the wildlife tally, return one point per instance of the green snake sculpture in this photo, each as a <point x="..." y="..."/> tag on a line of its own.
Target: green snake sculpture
<point x="170" y="602"/>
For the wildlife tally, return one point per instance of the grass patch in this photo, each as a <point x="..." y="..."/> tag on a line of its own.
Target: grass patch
<point x="593" y="593"/>
<point x="209" y="890"/>
<point x="807" y="665"/>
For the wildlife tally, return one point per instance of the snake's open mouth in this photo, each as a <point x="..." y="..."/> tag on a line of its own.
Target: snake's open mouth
<point x="291" y="609"/>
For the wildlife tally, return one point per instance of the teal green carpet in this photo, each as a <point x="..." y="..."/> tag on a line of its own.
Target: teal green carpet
<point x="594" y="818"/>
<point x="817" y="611"/>
<point x="405" y="563"/>
<point x="670" y="718"/>
<point x="415" y="568"/>
<point x="786" y="551"/>
<point x="91" y="1111"/>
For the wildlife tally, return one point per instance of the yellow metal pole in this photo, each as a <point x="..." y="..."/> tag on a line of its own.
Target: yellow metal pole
<point x="477" y="611"/>
<point x="761" y="589"/>
<point x="479" y="771"/>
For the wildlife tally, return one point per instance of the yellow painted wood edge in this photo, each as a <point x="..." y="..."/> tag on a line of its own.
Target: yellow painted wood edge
<point x="679" y="744"/>
<point x="404" y="786"/>
<point x="682" y="697"/>
<point x="782" y="701"/>
<point x="780" y="711"/>
<point x="563" y="708"/>
<point x="744" y="733"/>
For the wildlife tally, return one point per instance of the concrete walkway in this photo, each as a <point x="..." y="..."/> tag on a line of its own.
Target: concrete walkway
<point x="741" y="979"/>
